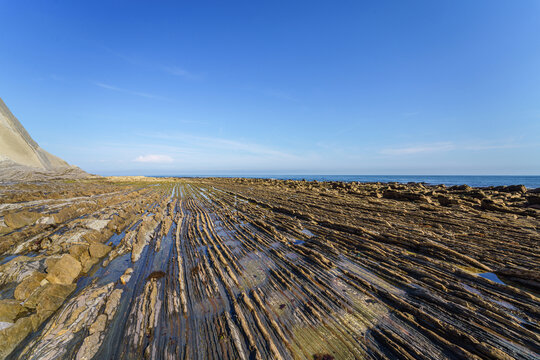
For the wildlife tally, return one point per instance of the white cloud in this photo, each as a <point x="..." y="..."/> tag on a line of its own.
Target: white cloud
<point x="177" y="71"/>
<point x="210" y="144"/>
<point x="154" y="158"/>
<point x="427" y="148"/>
<point x="125" y="91"/>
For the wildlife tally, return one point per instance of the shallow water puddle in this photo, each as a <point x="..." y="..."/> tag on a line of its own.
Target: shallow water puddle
<point x="492" y="277"/>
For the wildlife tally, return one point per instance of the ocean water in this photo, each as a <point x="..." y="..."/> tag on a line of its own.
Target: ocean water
<point x="449" y="180"/>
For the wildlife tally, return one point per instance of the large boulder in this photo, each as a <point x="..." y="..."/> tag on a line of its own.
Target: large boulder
<point x="48" y="298"/>
<point x="29" y="285"/>
<point x="64" y="271"/>
<point x="511" y="188"/>
<point x="82" y="254"/>
<point x="79" y="252"/>
<point x="19" y="219"/>
<point x="10" y="310"/>
<point x="98" y="250"/>
<point x="11" y="336"/>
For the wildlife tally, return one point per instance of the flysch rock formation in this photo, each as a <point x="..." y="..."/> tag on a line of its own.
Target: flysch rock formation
<point x="266" y="269"/>
<point x="21" y="158"/>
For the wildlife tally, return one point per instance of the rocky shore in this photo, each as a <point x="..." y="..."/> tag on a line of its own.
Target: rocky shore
<point x="133" y="268"/>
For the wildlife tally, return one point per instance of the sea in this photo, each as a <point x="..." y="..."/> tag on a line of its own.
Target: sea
<point x="529" y="181"/>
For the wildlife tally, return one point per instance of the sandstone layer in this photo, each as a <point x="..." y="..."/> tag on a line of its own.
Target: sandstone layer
<point x="262" y="269"/>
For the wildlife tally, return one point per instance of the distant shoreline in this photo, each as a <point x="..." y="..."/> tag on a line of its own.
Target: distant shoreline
<point x="529" y="181"/>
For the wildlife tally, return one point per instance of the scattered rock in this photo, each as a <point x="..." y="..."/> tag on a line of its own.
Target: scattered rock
<point x="126" y="276"/>
<point x="155" y="275"/>
<point x="11" y="336"/>
<point x="64" y="271"/>
<point x="99" y="324"/>
<point x="19" y="219"/>
<point x="46" y="220"/>
<point x="97" y="225"/>
<point x="29" y="285"/>
<point x="10" y="310"/>
<point x="112" y="302"/>
<point x="99" y="250"/>
<point x="46" y="299"/>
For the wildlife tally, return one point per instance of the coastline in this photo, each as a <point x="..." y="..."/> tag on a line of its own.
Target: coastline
<point x="269" y="269"/>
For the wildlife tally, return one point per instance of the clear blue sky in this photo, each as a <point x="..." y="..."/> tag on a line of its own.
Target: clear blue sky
<point x="277" y="87"/>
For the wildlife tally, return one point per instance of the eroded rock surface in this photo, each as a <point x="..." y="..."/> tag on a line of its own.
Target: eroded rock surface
<point x="134" y="268"/>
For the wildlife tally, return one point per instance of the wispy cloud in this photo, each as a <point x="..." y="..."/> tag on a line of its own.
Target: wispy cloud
<point x="178" y="71"/>
<point x="204" y="142"/>
<point x="280" y="94"/>
<point x="494" y="146"/>
<point x="477" y="145"/>
<point x="154" y="159"/>
<point x="126" y="91"/>
<point x="426" y="148"/>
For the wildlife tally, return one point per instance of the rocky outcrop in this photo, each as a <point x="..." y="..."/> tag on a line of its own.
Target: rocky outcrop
<point x="265" y="269"/>
<point x="21" y="158"/>
<point x="64" y="270"/>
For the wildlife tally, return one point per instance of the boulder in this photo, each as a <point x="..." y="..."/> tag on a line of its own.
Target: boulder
<point x="447" y="200"/>
<point x="10" y="310"/>
<point x="89" y="347"/>
<point x="79" y="252"/>
<point x="19" y="219"/>
<point x="64" y="271"/>
<point x="99" y="324"/>
<point x="98" y="250"/>
<point x="94" y="224"/>
<point x="51" y="261"/>
<point x="87" y="265"/>
<point x="112" y="302"/>
<point x="511" y="188"/>
<point x="29" y="285"/>
<point x="13" y="335"/>
<point x="46" y="220"/>
<point x="126" y="276"/>
<point x="48" y="298"/>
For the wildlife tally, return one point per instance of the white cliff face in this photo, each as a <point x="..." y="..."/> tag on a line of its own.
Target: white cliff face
<point x="17" y="145"/>
<point x="21" y="158"/>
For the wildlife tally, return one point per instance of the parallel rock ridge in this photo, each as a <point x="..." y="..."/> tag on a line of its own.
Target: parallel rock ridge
<point x="21" y="158"/>
<point x="267" y="269"/>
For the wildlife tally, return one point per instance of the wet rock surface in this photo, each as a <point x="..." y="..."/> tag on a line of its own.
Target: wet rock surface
<point x="135" y="268"/>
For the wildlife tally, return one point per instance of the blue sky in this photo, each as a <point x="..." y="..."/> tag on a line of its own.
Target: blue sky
<point x="277" y="87"/>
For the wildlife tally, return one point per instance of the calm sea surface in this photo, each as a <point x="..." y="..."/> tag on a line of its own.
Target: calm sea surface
<point x="471" y="180"/>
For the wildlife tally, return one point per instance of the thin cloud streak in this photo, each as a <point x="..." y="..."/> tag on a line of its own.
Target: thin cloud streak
<point x="452" y="146"/>
<point x="125" y="91"/>
<point x="224" y="144"/>
<point x="178" y="71"/>
<point x="428" y="148"/>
